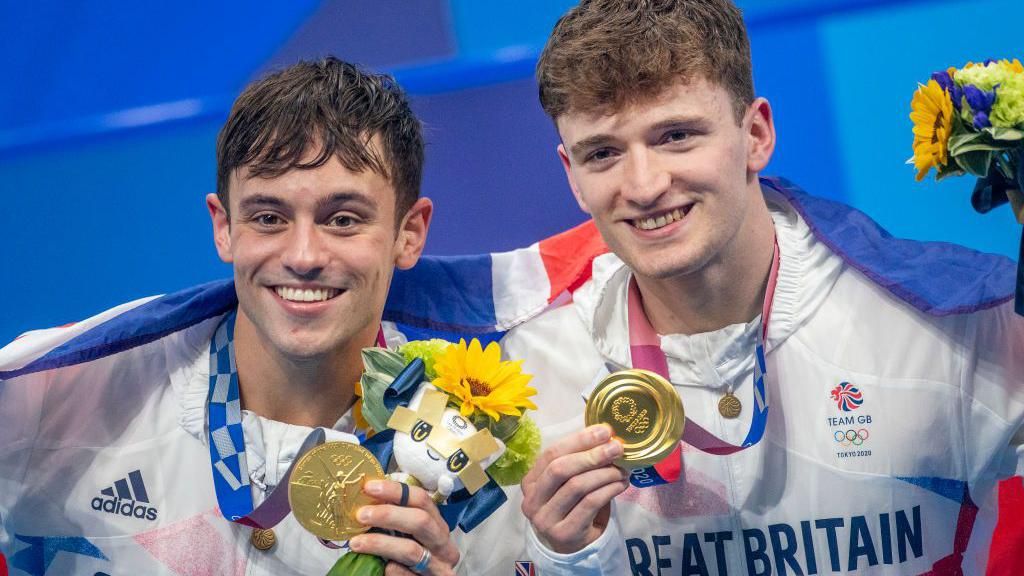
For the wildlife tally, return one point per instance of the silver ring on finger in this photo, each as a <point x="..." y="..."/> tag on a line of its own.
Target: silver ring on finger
<point x="420" y="566"/>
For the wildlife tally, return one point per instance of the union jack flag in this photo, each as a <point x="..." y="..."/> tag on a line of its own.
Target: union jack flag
<point x="525" y="568"/>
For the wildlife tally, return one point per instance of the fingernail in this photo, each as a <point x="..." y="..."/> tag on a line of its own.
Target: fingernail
<point x="374" y="488"/>
<point x="363" y="515"/>
<point x="612" y="449"/>
<point x="355" y="544"/>
<point x="602" y="433"/>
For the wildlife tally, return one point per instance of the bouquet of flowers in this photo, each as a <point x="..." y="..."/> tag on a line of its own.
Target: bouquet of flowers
<point x="971" y="121"/>
<point x="490" y="393"/>
<point x="453" y="416"/>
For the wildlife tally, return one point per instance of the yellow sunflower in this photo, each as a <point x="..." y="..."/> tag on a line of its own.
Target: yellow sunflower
<point x="480" y="380"/>
<point x="931" y="110"/>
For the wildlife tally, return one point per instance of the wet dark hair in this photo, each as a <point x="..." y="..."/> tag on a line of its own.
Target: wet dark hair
<point x="331" y="106"/>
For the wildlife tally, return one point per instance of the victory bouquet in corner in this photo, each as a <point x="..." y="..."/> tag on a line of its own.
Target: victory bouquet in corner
<point x="971" y="121"/>
<point x="451" y="418"/>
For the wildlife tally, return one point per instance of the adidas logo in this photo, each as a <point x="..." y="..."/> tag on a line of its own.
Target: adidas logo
<point x="127" y="497"/>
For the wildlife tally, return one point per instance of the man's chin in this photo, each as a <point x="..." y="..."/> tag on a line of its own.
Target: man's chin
<point x="303" y="349"/>
<point x="656" y="268"/>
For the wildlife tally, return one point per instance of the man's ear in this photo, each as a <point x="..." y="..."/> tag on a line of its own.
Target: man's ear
<point x="761" y="132"/>
<point x="567" y="166"/>
<point x="412" y="234"/>
<point x="221" y="227"/>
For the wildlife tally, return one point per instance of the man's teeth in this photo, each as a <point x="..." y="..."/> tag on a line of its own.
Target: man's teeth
<point x="655" y="223"/>
<point x="307" y="295"/>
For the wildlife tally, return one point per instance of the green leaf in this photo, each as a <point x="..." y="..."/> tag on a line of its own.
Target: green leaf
<point x="976" y="162"/>
<point x="374" y="384"/>
<point x="961" y="139"/>
<point x="976" y="146"/>
<point x="383" y="360"/>
<point x="1005" y="134"/>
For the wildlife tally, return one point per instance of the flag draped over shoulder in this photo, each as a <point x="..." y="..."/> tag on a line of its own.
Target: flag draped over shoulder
<point x="485" y="295"/>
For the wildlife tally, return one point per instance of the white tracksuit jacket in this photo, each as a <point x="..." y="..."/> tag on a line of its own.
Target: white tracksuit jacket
<point x="105" y="468"/>
<point x="940" y="422"/>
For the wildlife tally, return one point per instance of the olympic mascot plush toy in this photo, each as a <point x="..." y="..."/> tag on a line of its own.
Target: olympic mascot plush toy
<point x="450" y="418"/>
<point x="437" y="448"/>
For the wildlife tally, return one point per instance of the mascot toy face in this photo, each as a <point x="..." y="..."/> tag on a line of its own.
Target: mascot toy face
<point x="438" y="446"/>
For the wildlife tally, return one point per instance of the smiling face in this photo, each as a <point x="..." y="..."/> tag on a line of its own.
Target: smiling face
<point x="670" y="181"/>
<point x="313" y="252"/>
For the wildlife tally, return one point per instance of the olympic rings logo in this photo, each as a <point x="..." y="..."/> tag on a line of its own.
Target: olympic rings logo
<point x="851" y="437"/>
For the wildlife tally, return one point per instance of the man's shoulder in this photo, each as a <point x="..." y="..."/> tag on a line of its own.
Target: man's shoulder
<point x="485" y="295"/>
<point x="935" y="278"/>
<point x="556" y="340"/>
<point x="116" y="330"/>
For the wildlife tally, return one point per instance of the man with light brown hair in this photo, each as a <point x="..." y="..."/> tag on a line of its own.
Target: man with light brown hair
<point x="850" y="399"/>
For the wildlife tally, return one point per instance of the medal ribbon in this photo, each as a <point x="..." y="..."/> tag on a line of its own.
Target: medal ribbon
<point x="227" y="439"/>
<point x="646" y="353"/>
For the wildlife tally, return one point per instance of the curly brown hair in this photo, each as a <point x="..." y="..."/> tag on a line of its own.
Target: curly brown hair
<point x="606" y="54"/>
<point x="329" y="106"/>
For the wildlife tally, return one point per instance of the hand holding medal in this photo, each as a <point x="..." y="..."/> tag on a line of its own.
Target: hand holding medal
<point x="452" y="419"/>
<point x="326" y="489"/>
<point x="644" y="412"/>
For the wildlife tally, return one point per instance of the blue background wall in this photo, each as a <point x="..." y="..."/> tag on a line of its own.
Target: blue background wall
<point x="109" y="112"/>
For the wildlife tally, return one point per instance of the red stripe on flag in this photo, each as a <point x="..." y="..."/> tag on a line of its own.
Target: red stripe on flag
<point x="568" y="256"/>
<point x="69" y="324"/>
<point x="1006" y="555"/>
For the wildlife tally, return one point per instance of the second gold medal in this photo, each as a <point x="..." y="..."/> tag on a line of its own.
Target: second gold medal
<point x="644" y="412"/>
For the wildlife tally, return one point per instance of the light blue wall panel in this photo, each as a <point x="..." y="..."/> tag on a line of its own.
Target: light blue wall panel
<point x="487" y="27"/>
<point x="876" y="58"/>
<point x="88" y="227"/>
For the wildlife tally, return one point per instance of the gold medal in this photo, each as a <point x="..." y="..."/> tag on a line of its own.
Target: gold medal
<point x="644" y="411"/>
<point x="326" y="489"/>
<point x="729" y="406"/>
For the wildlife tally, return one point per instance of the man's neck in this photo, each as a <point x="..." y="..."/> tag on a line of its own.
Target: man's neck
<point x="728" y="290"/>
<point x="307" y="392"/>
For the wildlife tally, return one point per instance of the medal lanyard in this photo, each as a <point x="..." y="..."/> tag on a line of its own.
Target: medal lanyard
<point x="646" y="353"/>
<point x="227" y="439"/>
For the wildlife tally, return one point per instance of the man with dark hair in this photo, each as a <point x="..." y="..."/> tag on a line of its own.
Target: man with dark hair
<point x="158" y="437"/>
<point x="850" y="399"/>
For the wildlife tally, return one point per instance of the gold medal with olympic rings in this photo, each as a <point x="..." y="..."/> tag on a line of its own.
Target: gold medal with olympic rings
<point x="644" y="412"/>
<point x="326" y="489"/>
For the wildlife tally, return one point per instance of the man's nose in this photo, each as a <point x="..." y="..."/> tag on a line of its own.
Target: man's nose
<point x="305" y="254"/>
<point x="645" y="178"/>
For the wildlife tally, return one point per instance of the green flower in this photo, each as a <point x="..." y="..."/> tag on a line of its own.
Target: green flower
<point x="1008" y="109"/>
<point x="521" y="452"/>
<point x="1007" y="79"/>
<point x="426" y="350"/>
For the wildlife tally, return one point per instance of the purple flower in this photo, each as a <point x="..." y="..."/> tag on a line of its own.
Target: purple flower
<point x="979" y="100"/>
<point x="957" y="96"/>
<point x="946" y="82"/>
<point x="981" y="120"/>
